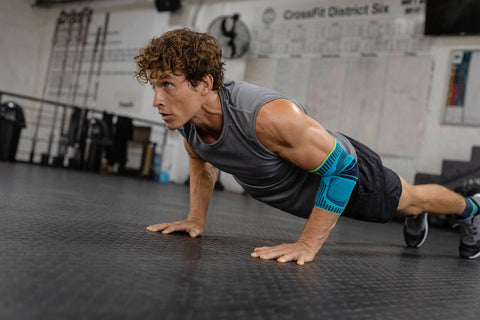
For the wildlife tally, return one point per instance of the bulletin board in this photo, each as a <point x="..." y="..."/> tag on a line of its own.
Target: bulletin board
<point x="462" y="98"/>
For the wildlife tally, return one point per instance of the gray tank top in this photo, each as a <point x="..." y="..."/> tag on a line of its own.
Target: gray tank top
<point x="263" y="174"/>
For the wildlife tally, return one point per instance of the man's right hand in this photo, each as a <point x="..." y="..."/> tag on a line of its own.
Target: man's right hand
<point x="192" y="227"/>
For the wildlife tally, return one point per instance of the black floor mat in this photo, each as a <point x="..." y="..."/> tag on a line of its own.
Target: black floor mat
<point x="74" y="246"/>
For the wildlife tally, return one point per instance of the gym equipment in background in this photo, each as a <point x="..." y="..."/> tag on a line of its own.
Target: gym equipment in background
<point x="12" y="121"/>
<point x="70" y="19"/>
<point x="79" y="152"/>
<point x="98" y="139"/>
<point x="60" y="21"/>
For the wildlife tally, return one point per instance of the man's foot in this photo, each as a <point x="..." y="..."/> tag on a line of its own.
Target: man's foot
<point x="470" y="229"/>
<point x="415" y="230"/>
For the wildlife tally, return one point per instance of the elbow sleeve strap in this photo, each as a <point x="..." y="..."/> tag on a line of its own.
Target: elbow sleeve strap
<point x="339" y="174"/>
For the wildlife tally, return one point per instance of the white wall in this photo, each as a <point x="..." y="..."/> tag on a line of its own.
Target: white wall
<point x="440" y="141"/>
<point x="25" y="40"/>
<point x="22" y="47"/>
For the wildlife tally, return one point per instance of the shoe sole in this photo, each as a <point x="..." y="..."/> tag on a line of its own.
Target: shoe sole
<point x="424" y="236"/>
<point x="476" y="255"/>
<point x="426" y="232"/>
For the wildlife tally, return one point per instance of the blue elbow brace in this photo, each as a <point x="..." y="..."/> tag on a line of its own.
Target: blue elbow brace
<point x="339" y="174"/>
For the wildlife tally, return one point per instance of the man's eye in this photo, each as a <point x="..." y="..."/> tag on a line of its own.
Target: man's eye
<point x="167" y="84"/>
<point x="153" y="86"/>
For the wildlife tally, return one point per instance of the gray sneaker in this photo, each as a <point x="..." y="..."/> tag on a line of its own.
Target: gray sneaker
<point x="415" y="230"/>
<point x="470" y="239"/>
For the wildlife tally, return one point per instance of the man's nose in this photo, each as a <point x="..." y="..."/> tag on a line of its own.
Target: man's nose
<point x="157" y="98"/>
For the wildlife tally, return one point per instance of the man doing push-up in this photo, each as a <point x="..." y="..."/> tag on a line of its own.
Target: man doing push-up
<point x="280" y="155"/>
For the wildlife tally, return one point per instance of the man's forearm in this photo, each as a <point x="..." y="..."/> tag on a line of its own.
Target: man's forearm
<point x="317" y="229"/>
<point x="202" y="181"/>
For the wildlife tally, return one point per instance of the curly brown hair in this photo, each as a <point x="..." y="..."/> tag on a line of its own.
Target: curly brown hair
<point x="181" y="51"/>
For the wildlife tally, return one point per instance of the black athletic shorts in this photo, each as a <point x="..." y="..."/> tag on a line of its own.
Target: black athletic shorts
<point x="377" y="192"/>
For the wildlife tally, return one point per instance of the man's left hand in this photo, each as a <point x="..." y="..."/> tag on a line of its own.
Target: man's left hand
<point x="298" y="251"/>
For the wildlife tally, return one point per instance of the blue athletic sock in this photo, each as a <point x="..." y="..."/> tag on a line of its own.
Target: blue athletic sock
<point x="470" y="210"/>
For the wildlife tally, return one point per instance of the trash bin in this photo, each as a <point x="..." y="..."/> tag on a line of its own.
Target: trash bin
<point x="11" y="123"/>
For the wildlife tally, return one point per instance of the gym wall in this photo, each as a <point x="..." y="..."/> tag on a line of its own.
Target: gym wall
<point x="27" y="32"/>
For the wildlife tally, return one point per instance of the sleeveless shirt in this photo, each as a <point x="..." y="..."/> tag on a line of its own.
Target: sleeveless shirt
<point x="263" y="174"/>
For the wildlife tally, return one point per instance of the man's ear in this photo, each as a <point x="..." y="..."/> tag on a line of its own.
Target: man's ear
<point x="206" y="84"/>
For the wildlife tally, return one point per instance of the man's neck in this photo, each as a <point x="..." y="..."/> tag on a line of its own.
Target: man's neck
<point x="209" y="123"/>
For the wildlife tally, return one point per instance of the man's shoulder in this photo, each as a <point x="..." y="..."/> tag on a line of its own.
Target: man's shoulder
<point x="243" y="86"/>
<point x="249" y="97"/>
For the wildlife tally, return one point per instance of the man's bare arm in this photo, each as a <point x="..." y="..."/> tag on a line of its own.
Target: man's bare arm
<point x="314" y="234"/>
<point x="202" y="181"/>
<point x="287" y="131"/>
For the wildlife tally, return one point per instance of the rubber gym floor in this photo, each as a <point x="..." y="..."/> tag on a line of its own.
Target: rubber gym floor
<point x="74" y="246"/>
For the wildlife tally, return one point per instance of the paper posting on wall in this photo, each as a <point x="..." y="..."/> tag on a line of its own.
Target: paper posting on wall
<point x="325" y="91"/>
<point x="343" y="27"/>
<point x="290" y="77"/>
<point x="463" y="94"/>
<point x="402" y="121"/>
<point x="261" y="71"/>
<point x="363" y="98"/>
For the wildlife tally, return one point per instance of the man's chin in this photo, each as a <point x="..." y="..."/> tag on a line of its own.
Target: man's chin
<point x="172" y="126"/>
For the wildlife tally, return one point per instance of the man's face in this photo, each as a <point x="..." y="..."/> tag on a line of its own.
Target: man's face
<point x="176" y="100"/>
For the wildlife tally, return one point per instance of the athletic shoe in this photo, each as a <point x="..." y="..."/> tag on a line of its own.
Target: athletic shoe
<point x="470" y="239"/>
<point x="415" y="230"/>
